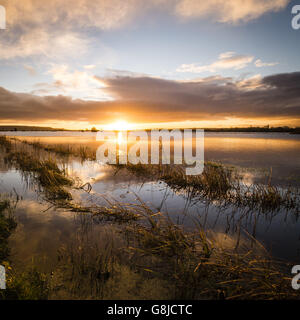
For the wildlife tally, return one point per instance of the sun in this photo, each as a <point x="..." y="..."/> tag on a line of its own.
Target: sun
<point x="120" y="125"/>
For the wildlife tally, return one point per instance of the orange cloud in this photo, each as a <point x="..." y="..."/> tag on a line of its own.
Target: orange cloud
<point x="226" y="60"/>
<point x="229" y="11"/>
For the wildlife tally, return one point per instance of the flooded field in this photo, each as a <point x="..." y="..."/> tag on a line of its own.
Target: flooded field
<point x="257" y="205"/>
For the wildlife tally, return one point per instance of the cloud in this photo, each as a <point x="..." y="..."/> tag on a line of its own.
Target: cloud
<point x="212" y="97"/>
<point x="252" y="83"/>
<point x="90" y="66"/>
<point x="229" y="11"/>
<point x="28" y="107"/>
<point x="147" y="99"/>
<point x="78" y="84"/>
<point x="103" y="14"/>
<point x="226" y="60"/>
<point x="58" y="30"/>
<point x="61" y="29"/>
<point x="259" y="64"/>
<point x="38" y="42"/>
<point x="30" y="69"/>
<point x="111" y="14"/>
<point x="111" y="73"/>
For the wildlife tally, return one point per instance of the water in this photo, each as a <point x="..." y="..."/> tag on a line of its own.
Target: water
<point x="42" y="229"/>
<point x="258" y="153"/>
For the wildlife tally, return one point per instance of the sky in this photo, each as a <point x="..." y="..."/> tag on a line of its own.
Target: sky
<point x="155" y="63"/>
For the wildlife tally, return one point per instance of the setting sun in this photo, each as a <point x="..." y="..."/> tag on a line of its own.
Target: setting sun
<point x="119" y="125"/>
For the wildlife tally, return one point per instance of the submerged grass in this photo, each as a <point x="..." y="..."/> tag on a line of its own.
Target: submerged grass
<point x="82" y="152"/>
<point x="199" y="268"/>
<point x="7" y="226"/>
<point x="161" y="260"/>
<point x="266" y="198"/>
<point x="5" y="143"/>
<point x="99" y="267"/>
<point x="28" y="284"/>
<point x="154" y="251"/>
<point x="154" y="259"/>
<point x="222" y="185"/>
<point x="116" y="212"/>
<point x="217" y="182"/>
<point x="46" y="173"/>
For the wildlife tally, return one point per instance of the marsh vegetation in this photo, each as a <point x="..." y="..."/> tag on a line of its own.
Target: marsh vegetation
<point x="134" y="251"/>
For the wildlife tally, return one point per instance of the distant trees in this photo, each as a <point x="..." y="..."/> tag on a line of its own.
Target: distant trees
<point x="255" y="129"/>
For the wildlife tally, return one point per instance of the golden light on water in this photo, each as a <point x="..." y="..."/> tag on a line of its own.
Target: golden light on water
<point x="120" y="139"/>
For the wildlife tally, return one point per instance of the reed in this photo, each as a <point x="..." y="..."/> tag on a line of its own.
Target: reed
<point x="217" y="182"/>
<point x="183" y="264"/>
<point x="5" y="143"/>
<point x="7" y="226"/>
<point x="29" y="284"/>
<point x="45" y="173"/>
<point x="156" y="252"/>
<point x="84" y="153"/>
<point x="222" y="185"/>
<point x="198" y="267"/>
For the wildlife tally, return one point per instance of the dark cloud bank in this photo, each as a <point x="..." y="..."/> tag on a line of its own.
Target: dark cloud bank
<point x="149" y="99"/>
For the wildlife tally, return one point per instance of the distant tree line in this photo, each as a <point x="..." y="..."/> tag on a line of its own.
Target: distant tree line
<point x="256" y="129"/>
<point x="94" y="129"/>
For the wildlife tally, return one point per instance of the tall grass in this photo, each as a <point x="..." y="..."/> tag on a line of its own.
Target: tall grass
<point x="153" y="254"/>
<point x="82" y="152"/>
<point x="198" y="267"/>
<point x="45" y="173"/>
<point x="177" y="263"/>
<point x="7" y="226"/>
<point x="155" y="251"/>
<point x="217" y="182"/>
<point x="5" y="143"/>
<point x="222" y="185"/>
<point x="26" y="285"/>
